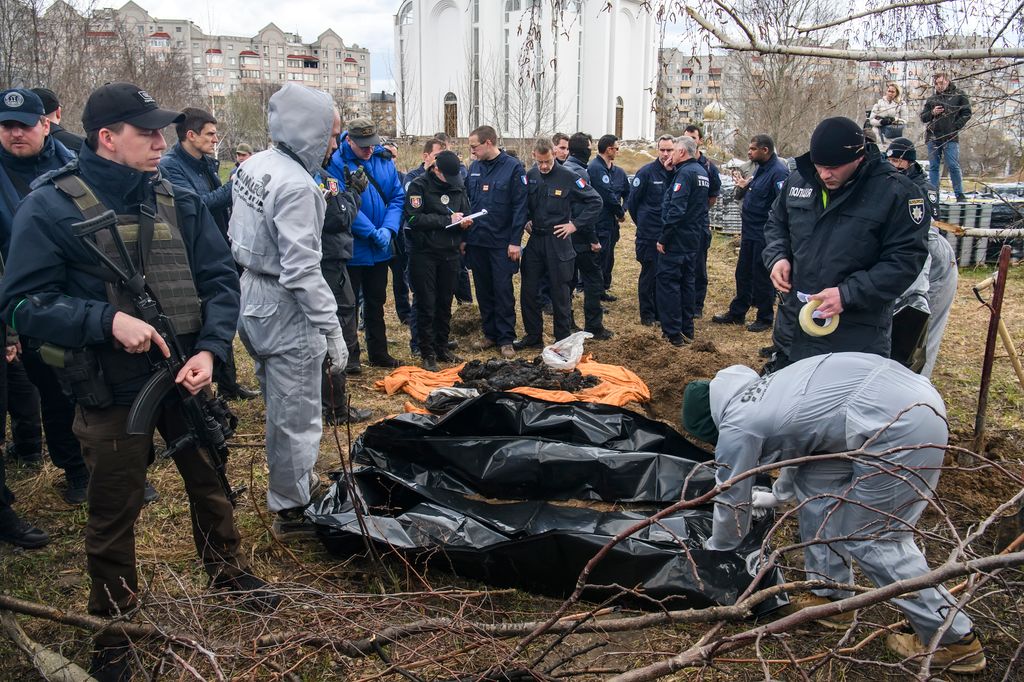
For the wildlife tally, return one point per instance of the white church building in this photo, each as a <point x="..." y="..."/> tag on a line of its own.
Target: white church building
<point x="577" y="65"/>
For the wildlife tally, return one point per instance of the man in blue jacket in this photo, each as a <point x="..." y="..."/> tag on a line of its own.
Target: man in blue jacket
<point x="753" y="286"/>
<point x="191" y="164"/>
<point x="684" y="216"/>
<point x="379" y="219"/>
<point x="497" y="183"/>
<point x="611" y="183"/>
<point x="27" y="151"/>
<point x="645" y="200"/>
<point x="714" y="189"/>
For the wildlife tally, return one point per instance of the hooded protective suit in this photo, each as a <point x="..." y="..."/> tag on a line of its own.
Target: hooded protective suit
<point x="832" y="404"/>
<point x="289" y="315"/>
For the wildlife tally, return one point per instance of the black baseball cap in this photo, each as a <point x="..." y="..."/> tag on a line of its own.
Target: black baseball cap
<point x="448" y="163"/>
<point x="21" y="105"/>
<point x="49" y="98"/>
<point x="127" y="103"/>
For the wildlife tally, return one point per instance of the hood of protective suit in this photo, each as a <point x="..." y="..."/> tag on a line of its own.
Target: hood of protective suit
<point x="726" y="385"/>
<point x="301" y="119"/>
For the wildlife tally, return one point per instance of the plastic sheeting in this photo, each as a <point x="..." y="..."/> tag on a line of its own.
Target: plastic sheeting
<point x="482" y="493"/>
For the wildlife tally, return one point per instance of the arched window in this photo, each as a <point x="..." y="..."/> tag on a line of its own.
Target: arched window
<point x="451" y="115"/>
<point x="619" y="108"/>
<point x="405" y="16"/>
<point x="513" y="5"/>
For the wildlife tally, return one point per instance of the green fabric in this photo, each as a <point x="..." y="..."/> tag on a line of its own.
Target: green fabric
<point x="697" y="411"/>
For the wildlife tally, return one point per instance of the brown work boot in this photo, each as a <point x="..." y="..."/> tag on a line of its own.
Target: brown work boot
<point x="805" y="600"/>
<point x="964" y="656"/>
<point x="484" y="344"/>
<point x="508" y="352"/>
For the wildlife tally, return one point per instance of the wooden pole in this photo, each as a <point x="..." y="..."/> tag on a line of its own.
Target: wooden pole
<point x="990" y="347"/>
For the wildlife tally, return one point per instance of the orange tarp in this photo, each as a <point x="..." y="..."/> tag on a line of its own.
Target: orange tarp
<point x="618" y="385"/>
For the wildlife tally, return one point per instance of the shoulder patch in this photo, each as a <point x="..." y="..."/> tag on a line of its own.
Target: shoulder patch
<point x="415" y="201"/>
<point x="636" y="180"/>
<point x="676" y="187"/>
<point x="581" y="183"/>
<point x="916" y="207"/>
<point x="779" y="184"/>
<point x="605" y="179"/>
<point x="332" y="186"/>
<point x="523" y="178"/>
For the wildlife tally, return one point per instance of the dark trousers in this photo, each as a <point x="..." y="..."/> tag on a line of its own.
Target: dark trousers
<point x="433" y="278"/>
<point x="676" y="275"/>
<point x="58" y="411"/>
<point x="700" y="282"/>
<point x="608" y="241"/>
<point x="399" y="266"/>
<point x="23" y="406"/>
<point x="540" y="260"/>
<point x="753" y="284"/>
<point x="589" y="265"/>
<point x="646" y="286"/>
<point x="492" y="274"/>
<point x="371" y="281"/>
<point x="225" y="374"/>
<point x="463" y="288"/>
<point x="338" y="279"/>
<point x="117" y="465"/>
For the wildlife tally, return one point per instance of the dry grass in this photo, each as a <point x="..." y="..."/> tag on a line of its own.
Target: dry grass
<point x="56" y="574"/>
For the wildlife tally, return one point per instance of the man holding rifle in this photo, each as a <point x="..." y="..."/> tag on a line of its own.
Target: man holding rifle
<point x="58" y="292"/>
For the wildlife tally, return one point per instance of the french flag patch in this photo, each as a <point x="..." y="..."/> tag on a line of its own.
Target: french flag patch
<point x="581" y="183"/>
<point x="678" y="186"/>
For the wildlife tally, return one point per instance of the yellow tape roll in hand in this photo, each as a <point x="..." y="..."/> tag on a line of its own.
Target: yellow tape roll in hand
<point x="810" y="326"/>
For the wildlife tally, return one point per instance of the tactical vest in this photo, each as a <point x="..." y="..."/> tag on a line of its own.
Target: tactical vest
<point x="161" y="257"/>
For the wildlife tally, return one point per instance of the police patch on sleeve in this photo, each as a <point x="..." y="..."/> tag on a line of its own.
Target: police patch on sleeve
<point x="676" y="187"/>
<point x="636" y="181"/>
<point x="415" y="201"/>
<point x="933" y="197"/>
<point x="581" y="183"/>
<point x="779" y="184"/>
<point x="916" y="207"/>
<point x="332" y="186"/>
<point x="605" y="179"/>
<point x="523" y="178"/>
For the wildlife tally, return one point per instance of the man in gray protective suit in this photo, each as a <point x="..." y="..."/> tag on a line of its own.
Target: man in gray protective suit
<point x="289" y="315"/>
<point x="836" y="403"/>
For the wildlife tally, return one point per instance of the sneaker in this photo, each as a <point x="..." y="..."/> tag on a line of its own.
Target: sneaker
<point x="484" y="344"/>
<point x="149" y="494"/>
<point x="767" y="351"/>
<point x="759" y="326"/>
<point x="805" y="600"/>
<point x="386" y="361"/>
<point x="508" y="352"/>
<point x="960" y="199"/>
<point x="290" y="524"/>
<point x="111" y="664"/>
<point x="16" y="531"/>
<point x="609" y="298"/>
<point x="448" y="356"/>
<point x="75" y="493"/>
<point x="528" y="342"/>
<point x="251" y="593"/>
<point x="726" y="318"/>
<point x="430" y="363"/>
<point x="964" y="656"/>
<point x="602" y="334"/>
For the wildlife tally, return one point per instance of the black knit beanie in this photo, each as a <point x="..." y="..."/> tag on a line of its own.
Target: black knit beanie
<point x="902" y="148"/>
<point x="836" y="141"/>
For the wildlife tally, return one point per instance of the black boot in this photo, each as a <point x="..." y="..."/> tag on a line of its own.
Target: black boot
<point x="111" y="664"/>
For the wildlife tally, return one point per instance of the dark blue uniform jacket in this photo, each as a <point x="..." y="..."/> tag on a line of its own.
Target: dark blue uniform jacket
<point x="647" y="197"/>
<point x="760" y="194"/>
<point x="498" y="185"/>
<point x="684" y="213"/>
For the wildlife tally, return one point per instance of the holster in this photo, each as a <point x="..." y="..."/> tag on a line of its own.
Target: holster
<point x="80" y="375"/>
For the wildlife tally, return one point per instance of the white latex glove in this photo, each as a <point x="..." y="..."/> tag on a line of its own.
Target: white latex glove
<point x="337" y="351"/>
<point x="763" y="498"/>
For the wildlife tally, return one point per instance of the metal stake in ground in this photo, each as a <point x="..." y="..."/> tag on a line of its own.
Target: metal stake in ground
<point x="990" y="348"/>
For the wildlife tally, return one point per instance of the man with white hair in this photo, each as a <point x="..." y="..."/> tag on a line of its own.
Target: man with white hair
<point x="684" y="213"/>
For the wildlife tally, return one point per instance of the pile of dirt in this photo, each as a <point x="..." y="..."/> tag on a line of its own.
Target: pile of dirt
<point x="501" y="375"/>
<point x="664" y="368"/>
<point x="465" y="321"/>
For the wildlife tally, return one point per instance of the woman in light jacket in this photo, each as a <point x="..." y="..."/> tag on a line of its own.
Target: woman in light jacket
<point x="889" y="114"/>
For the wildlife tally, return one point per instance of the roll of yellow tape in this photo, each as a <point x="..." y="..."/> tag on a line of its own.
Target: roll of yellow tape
<point x="810" y="326"/>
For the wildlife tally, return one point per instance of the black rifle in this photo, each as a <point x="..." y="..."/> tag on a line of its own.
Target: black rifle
<point x="210" y="423"/>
